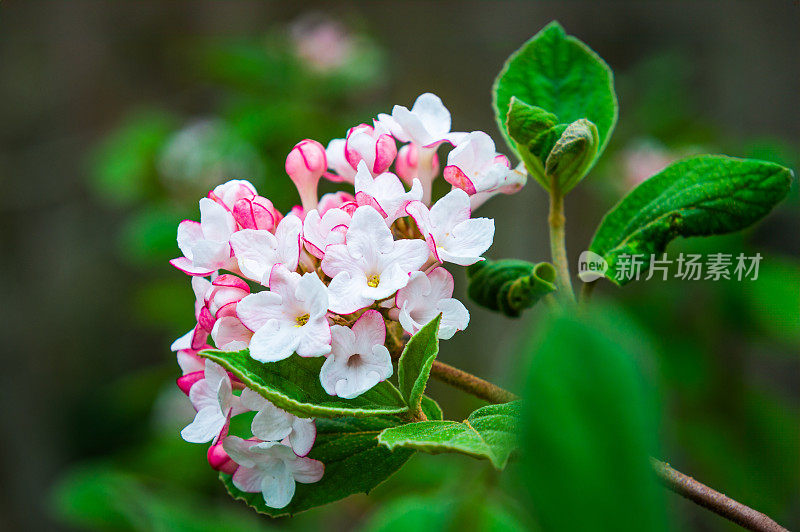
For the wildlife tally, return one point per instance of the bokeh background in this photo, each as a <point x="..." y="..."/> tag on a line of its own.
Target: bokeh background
<point x="118" y="116"/>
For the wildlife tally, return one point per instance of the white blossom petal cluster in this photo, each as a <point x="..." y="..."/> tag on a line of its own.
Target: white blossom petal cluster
<point x="345" y="277"/>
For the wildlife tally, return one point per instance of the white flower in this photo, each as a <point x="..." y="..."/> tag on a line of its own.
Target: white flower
<point x="215" y="403"/>
<point x="288" y="318"/>
<point x="427" y="296"/>
<point x="273" y="424"/>
<point x="450" y="232"/>
<point x="230" y="334"/>
<point x="205" y="245"/>
<point x="370" y="266"/>
<point x="385" y="192"/>
<point x="338" y="162"/>
<point x="474" y="166"/>
<point x="270" y="468"/>
<point x="358" y="359"/>
<point x="321" y="232"/>
<point x="426" y="124"/>
<point x="258" y="250"/>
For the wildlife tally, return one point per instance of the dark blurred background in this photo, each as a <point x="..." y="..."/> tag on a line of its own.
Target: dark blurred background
<point x="118" y="116"/>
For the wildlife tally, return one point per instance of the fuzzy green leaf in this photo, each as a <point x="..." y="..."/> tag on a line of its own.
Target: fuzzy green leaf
<point x="415" y="363"/>
<point x="559" y="74"/>
<point x="354" y="463"/>
<point x="697" y="196"/>
<point x="293" y="385"/>
<point x="488" y="433"/>
<point x="509" y="285"/>
<point x="588" y="426"/>
<point x="572" y="155"/>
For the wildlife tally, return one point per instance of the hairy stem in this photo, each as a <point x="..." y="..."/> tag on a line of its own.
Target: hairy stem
<point x="586" y="292"/>
<point x="471" y="384"/>
<point x="558" y="246"/>
<point x="713" y="500"/>
<point x="673" y="479"/>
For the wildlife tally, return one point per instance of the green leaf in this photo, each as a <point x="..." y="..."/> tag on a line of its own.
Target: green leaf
<point x="415" y="363"/>
<point x="488" y="433"/>
<point x="354" y="463"/>
<point x="525" y="122"/>
<point x="697" y="196"/>
<point x="293" y="385"/>
<point x="588" y="428"/>
<point x="560" y="74"/>
<point x="509" y="285"/>
<point x="431" y="408"/>
<point x="572" y="155"/>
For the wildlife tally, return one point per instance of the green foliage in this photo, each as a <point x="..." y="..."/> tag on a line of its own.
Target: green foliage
<point x="354" y="463"/>
<point x="452" y="512"/>
<point x="122" y="166"/>
<point x="100" y="497"/>
<point x="559" y="154"/>
<point x="572" y="155"/>
<point x="414" y="367"/>
<point x="588" y="427"/>
<point x="697" y="196"/>
<point x="488" y="433"/>
<point x="567" y="82"/>
<point x="293" y="385"/>
<point x="509" y="285"/>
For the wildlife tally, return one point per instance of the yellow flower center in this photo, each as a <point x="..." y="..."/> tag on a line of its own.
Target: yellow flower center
<point x="302" y="320"/>
<point x="373" y="280"/>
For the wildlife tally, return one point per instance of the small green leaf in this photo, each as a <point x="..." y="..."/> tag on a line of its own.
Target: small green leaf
<point x="587" y="429"/>
<point x="354" y="463"/>
<point x="572" y="155"/>
<point x="525" y="122"/>
<point x="509" y="285"/>
<point x="293" y="385"/>
<point x="697" y="196"/>
<point x="431" y="408"/>
<point x="415" y="363"/>
<point x="488" y="433"/>
<point x="560" y="74"/>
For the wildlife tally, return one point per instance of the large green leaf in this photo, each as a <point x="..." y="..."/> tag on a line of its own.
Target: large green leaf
<point x="559" y="74"/>
<point x="415" y="363"/>
<point x="354" y="463"/>
<point x="697" y="196"/>
<point x="509" y="285"/>
<point x="587" y="429"/>
<point x="488" y="433"/>
<point x="293" y="385"/>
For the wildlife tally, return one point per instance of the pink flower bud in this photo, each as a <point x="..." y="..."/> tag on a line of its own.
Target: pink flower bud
<point x="227" y="194"/>
<point x="407" y="164"/>
<point x="256" y="213"/>
<point x="333" y="200"/>
<point x="374" y="146"/>
<point x="219" y="460"/>
<point x="185" y="382"/>
<point x="305" y="164"/>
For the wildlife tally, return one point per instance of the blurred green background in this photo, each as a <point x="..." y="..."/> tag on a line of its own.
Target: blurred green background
<point x="118" y="116"/>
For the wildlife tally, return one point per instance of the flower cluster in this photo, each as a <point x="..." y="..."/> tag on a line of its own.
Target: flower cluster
<point x="344" y="276"/>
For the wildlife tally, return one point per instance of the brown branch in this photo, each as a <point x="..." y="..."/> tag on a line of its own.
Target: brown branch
<point x="673" y="479"/>
<point x="713" y="500"/>
<point x="470" y="383"/>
